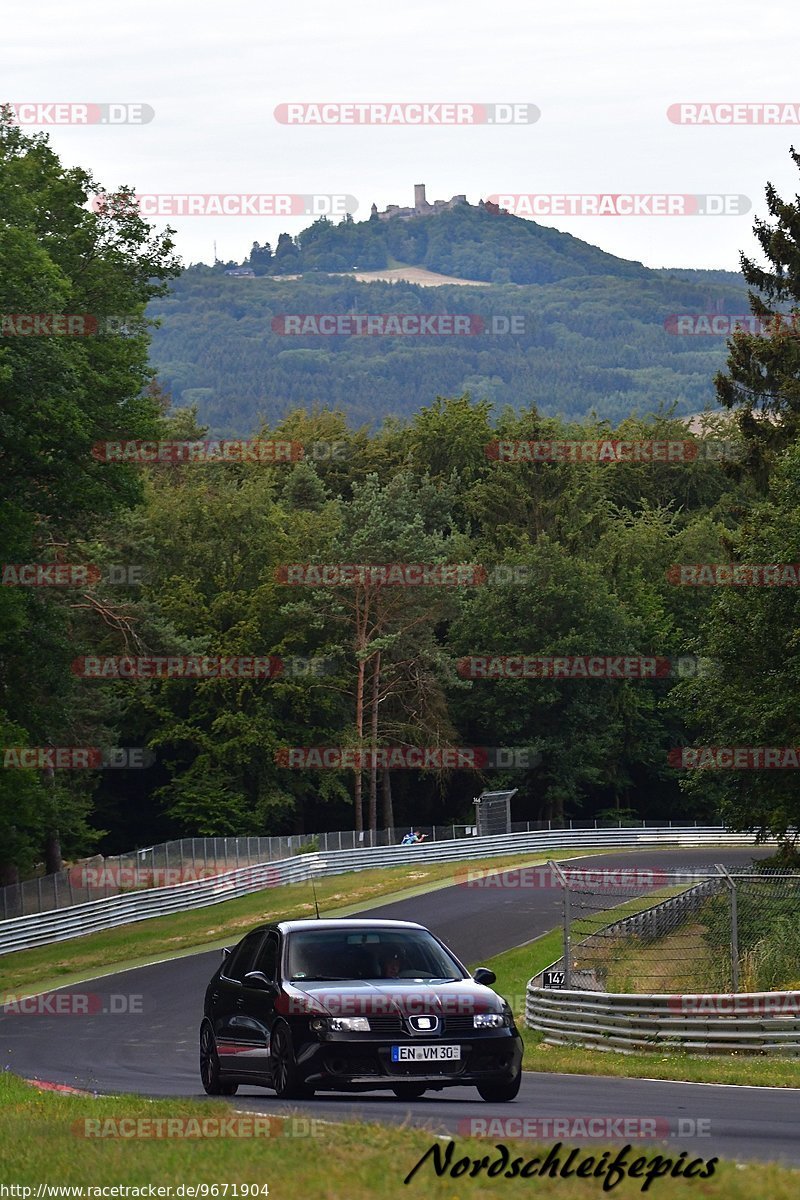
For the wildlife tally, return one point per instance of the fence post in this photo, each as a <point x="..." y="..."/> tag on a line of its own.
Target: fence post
<point x="562" y="879"/>
<point x="731" y="886"/>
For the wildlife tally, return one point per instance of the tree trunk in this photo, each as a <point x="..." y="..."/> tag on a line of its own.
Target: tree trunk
<point x="53" y="861"/>
<point x="388" y="807"/>
<point x="373" y="766"/>
<point x="359" y="812"/>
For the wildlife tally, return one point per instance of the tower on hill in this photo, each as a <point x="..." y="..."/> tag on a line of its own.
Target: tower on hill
<point x="421" y="208"/>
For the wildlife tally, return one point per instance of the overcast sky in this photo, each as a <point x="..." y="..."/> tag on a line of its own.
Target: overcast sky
<point x="602" y="74"/>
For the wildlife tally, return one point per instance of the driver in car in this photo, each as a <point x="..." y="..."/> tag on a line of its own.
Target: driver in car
<point x="391" y="962"/>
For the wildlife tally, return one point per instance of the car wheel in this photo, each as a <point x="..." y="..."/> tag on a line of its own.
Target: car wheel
<point x="209" y="1066"/>
<point x="286" y="1081"/>
<point x="409" y="1091"/>
<point x="499" y="1093"/>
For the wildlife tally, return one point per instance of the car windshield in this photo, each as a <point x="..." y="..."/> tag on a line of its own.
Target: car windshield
<point x="352" y="954"/>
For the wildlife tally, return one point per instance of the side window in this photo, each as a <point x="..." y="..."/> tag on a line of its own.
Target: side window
<point x="242" y="959"/>
<point x="267" y="960"/>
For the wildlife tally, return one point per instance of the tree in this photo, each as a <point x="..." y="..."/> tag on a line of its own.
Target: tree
<point x="750" y="634"/>
<point x="58" y="396"/>
<point x="260" y="258"/>
<point x="286" y="252"/>
<point x="388" y="628"/>
<point x="762" y="382"/>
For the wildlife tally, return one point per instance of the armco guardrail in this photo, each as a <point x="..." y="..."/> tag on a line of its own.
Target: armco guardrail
<point x="744" y="1023"/>
<point x="191" y="858"/>
<point x="57" y="925"/>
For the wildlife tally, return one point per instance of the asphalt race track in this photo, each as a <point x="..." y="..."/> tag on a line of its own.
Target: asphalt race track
<point x="146" y="1039"/>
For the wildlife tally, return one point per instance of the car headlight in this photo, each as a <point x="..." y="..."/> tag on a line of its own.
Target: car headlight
<point x="489" y="1020"/>
<point x="340" y="1025"/>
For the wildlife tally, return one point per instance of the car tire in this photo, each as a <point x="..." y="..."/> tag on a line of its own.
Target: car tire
<point x="209" y="1066"/>
<point x="500" y="1093"/>
<point x="286" y="1081"/>
<point x="409" y="1091"/>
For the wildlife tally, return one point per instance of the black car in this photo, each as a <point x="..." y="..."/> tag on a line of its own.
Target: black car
<point x="352" y="1005"/>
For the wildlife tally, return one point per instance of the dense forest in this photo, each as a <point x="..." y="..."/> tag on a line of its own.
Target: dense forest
<point x="568" y="557"/>
<point x="587" y="343"/>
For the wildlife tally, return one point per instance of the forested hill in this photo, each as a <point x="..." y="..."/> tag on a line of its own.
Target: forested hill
<point x="592" y="333"/>
<point x="470" y="242"/>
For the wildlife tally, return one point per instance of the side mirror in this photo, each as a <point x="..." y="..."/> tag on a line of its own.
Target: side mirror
<point x="259" y="981"/>
<point x="485" y="976"/>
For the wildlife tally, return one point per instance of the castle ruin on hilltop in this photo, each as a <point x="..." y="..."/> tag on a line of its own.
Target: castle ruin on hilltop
<point x="422" y="208"/>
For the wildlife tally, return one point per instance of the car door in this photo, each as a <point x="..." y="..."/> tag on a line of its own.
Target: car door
<point x="258" y="1011"/>
<point x="236" y="1038"/>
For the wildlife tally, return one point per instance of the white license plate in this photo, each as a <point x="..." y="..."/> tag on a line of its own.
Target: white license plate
<point x="425" y="1053"/>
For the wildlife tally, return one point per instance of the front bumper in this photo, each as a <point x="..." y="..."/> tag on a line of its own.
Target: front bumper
<point x="343" y="1061"/>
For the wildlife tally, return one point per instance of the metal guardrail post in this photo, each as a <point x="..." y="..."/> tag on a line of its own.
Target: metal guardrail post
<point x="731" y="885"/>
<point x="562" y="879"/>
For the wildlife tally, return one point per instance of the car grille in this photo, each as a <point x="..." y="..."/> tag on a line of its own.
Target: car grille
<point x="387" y="1026"/>
<point x="458" y="1026"/>
<point x="391" y="1025"/>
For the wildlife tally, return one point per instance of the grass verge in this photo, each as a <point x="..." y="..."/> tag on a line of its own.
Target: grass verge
<point x="515" y="968"/>
<point x="42" y="1140"/>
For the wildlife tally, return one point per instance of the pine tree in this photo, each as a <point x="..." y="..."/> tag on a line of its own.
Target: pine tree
<point x="763" y="369"/>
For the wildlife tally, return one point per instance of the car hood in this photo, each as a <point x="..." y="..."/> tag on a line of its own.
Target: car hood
<point x="401" y="997"/>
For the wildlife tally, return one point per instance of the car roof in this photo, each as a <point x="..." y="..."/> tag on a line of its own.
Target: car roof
<point x="343" y="923"/>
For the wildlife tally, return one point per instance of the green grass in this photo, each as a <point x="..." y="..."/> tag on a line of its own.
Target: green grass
<point x="42" y="1140"/>
<point x="209" y="928"/>
<point x="516" y="967"/>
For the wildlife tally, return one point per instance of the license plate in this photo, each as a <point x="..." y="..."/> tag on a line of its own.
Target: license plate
<point x="425" y="1053"/>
